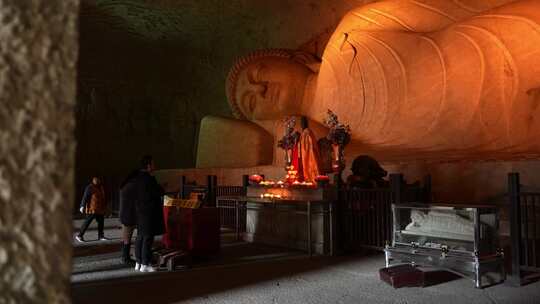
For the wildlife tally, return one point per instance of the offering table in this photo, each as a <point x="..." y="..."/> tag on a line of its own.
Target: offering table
<point x="292" y="217"/>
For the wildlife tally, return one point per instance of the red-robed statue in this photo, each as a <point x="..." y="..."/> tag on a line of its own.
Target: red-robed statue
<point x="301" y="150"/>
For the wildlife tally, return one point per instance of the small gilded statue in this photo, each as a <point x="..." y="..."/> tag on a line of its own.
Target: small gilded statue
<point x="339" y="135"/>
<point x="290" y="139"/>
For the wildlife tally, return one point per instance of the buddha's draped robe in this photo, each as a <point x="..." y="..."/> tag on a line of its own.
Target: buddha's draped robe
<point x="461" y="81"/>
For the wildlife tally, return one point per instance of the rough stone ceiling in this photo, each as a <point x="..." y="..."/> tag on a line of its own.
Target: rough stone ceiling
<point x="146" y="22"/>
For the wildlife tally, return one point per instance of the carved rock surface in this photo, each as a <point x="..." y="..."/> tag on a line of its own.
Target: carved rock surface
<point x="38" y="52"/>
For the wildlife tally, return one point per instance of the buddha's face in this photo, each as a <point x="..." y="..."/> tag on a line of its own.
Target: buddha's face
<point x="271" y="87"/>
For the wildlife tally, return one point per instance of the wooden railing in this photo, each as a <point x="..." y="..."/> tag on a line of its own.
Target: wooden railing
<point x="208" y="191"/>
<point x="365" y="215"/>
<point x="232" y="211"/>
<point x="524" y="232"/>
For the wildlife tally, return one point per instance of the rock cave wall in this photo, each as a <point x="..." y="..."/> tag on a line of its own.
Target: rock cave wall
<point x="38" y="52"/>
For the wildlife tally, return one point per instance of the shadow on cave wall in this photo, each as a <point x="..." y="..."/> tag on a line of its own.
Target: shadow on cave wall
<point x="135" y="89"/>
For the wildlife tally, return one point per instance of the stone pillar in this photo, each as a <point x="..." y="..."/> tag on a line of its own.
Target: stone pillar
<point x="38" y="53"/>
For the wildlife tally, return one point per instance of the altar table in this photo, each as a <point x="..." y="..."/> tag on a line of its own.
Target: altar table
<point x="302" y="219"/>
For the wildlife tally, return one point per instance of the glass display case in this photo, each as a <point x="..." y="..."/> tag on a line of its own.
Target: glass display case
<point x="459" y="238"/>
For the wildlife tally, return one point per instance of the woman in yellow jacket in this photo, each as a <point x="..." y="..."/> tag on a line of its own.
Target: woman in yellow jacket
<point x="94" y="205"/>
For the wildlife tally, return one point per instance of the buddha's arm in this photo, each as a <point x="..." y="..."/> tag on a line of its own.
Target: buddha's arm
<point x="463" y="87"/>
<point x="233" y="143"/>
<point x="420" y="16"/>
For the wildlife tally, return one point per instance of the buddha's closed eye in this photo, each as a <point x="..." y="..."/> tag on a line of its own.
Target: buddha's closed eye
<point x="249" y="101"/>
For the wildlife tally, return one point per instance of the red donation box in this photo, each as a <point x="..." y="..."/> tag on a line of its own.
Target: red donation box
<point x="192" y="229"/>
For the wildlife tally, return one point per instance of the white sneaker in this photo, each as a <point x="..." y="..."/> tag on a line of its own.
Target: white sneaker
<point x="137" y="266"/>
<point x="147" y="268"/>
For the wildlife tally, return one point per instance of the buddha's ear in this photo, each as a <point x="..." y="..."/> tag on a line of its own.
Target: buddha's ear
<point x="308" y="59"/>
<point x="315" y="66"/>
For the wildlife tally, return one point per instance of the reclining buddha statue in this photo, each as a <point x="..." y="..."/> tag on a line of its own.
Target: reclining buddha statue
<point x="441" y="224"/>
<point x="429" y="78"/>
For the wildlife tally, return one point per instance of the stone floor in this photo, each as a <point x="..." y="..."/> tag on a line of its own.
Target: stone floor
<point x="243" y="273"/>
<point x="96" y="260"/>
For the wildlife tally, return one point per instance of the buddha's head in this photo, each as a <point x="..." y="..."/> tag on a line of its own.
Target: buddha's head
<point x="268" y="84"/>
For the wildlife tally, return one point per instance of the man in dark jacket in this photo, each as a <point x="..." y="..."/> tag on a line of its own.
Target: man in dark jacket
<point x="128" y="216"/>
<point x="149" y="213"/>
